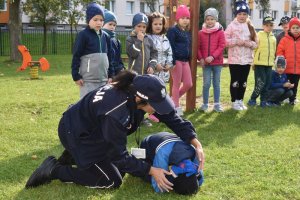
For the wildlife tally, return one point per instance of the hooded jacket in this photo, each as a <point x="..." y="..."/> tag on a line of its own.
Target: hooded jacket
<point x="211" y="44"/>
<point x="240" y="55"/>
<point x="264" y="54"/>
<point x="141" y="54"/>
<point x="289" y="47"/>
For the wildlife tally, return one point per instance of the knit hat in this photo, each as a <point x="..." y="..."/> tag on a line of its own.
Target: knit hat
<point x="182" y="11"/>
<point x="211" y="12"/>
<point x="139" y="18"/>
<point x="294" y="21"/>
<point x="109" y="16"/>
<point x="241" y="6"/>
<point x="92" y="10"/>
<point x="268" y="20"/>
<point x="284" y="20"/>
<point x="280" y="62"/>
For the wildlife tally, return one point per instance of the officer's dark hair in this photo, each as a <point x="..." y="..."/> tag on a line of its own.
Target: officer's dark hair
<point x="123" y="81"/>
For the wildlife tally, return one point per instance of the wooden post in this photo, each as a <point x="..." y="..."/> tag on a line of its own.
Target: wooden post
<point x="191" y="94"/>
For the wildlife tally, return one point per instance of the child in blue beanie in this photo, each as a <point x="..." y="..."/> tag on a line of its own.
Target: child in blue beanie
<point x="109" y="27"/>
<point x="167" y="151"/>
<point x="91" y="54"/>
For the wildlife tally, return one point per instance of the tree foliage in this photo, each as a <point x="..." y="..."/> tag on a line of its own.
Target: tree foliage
<point x="205" y="4"/>
<point x="263" y="5"/>
<point x="151" y="4"/>
<point x="43" y="13"/>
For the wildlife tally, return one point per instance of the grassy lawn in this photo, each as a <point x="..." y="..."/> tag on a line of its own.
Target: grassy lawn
<point x="252" y="154"/>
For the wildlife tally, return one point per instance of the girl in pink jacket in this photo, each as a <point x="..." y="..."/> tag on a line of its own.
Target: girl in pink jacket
<point x="211" y="44"/>
<point x="241" y="41"/>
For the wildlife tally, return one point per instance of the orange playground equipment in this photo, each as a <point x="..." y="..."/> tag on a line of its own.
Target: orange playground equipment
<point x="34" y="65"/>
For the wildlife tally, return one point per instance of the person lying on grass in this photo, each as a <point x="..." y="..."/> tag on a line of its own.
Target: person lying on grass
<point x="167" y="151"/>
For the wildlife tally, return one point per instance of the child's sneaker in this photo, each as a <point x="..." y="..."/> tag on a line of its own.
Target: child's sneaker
<point x="146" y="122"/>
<point x="179" y="111"/>
<point x="204" y="107"/>
<point x="251" y="102"/>
<point x="153" y="118"/>
<point x="263" y="104"/>
<point x="236" y="106"/>
<point x="218" y="108"/>
<point x="242" y="105"/>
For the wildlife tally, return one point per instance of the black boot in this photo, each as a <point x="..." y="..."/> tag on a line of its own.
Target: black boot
<point x="66" y="158"/>
<point x="42" y="175"/>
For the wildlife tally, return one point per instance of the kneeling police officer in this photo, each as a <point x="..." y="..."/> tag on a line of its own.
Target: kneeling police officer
<point x="94" y="132"/>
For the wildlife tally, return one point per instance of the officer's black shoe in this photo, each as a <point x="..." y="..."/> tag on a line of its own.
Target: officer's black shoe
<point x="42" y="175"/>
<point x="66" y="158"/>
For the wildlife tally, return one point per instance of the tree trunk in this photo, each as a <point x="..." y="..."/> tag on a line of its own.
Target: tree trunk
<point x="15" y="28"/>
<point x="44" y="48"/>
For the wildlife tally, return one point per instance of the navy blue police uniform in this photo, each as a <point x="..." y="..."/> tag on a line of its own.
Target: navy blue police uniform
<point x="94" y="131"/>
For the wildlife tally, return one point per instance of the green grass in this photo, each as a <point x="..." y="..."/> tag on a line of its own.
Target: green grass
<point x="252" y="154"/>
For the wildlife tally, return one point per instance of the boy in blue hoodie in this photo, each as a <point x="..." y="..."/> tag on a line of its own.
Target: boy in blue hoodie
<point x="167" y="151"/>
<point x="109" y="27"/>
<point x="280" y="88"/>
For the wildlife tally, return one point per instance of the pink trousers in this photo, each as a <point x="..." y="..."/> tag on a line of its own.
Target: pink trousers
<point x="181" y="74"/>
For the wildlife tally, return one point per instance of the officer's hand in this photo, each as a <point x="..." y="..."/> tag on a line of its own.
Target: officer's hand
<point x="79" y="82"/>
<point x="162" y="182"/>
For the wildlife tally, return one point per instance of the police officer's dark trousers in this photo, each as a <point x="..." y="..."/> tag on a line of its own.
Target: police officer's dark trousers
<point x="99" y="175"/>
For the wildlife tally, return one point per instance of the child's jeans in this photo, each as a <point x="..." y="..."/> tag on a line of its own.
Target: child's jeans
<point x="180" y="73"/>
<point x="214" y="73"/>
<point x="263" y="77"/>
<point x="279" y="94"/>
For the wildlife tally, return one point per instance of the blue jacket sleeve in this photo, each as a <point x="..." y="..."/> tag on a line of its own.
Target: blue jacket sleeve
<point x="161" y="160"/>
<point x="111" y="71"/>
<point x="77" y="53"/>
<point x="116" y="137"/>
<point x="171" y="38"/>
<point x="181" y="127"/>
<point x="121" y="64"/>
<point x="277" y="84"/>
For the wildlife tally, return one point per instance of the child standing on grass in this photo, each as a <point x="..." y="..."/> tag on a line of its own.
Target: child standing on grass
<point x="141" y="51"/>
<point x="289" y="47"/>
<point x="156" y="31"/>
<point x="280" y="88"/>
<point x="180" y="39"/>
<point x="90" y="63"/>
<point x="109" y="27"/>
<point x="263" y="62"/>
<point x="241" y="41"/>
<point x="211" y="43"/>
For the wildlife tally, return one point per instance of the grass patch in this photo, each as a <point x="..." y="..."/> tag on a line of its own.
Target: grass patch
<point x="252" y="154"/>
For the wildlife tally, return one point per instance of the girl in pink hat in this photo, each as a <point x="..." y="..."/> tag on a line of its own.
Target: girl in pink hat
<point x="180" y="40"/>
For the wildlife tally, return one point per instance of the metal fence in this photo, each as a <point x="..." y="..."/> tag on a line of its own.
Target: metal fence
<point x="58" y="41"/>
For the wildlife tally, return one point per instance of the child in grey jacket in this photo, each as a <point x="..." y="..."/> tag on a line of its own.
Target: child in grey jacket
<point x="142" y="54"/>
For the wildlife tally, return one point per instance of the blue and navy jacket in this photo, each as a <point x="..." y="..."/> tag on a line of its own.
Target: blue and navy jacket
<point x="97" y="126"/>
<point x="278" y="80"/>
<point x="116" y="51"/>
<point x="180" y="41"/>
<point x="164" y="149"/>
<point x="87" y="62"/>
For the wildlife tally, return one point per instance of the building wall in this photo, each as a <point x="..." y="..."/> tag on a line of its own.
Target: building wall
<point x="4" y="14"/>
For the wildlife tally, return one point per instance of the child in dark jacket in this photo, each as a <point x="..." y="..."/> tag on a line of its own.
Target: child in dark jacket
<point x="167" y="151"/>
<point x="91" y="53"/>
<point x="280" y="88"/>
<point x="180" y="39"/>
<point x="110" y="23"/>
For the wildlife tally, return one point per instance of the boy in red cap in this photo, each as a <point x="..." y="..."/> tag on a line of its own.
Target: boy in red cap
<point x="289" y="47"/>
